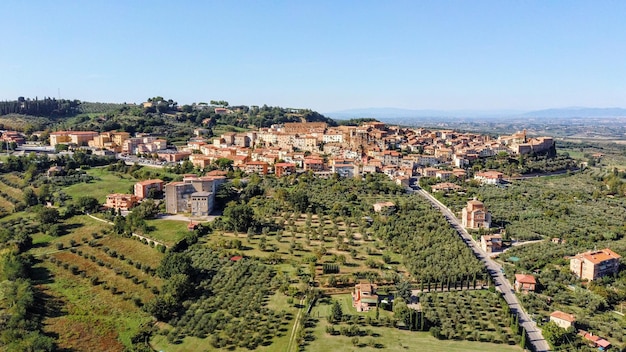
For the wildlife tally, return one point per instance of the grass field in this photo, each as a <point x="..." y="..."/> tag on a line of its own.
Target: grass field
<point x="106" y="182"/>
<point x="167" y="231"/>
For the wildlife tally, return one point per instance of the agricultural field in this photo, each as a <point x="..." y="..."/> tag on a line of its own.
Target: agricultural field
<point x="11" y="193"/>
<point x="341" y="242"/>
<point x="374" y="336"/>
<point x="94" y="284"/>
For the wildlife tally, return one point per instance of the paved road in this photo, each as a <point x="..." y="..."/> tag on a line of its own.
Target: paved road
<point x="494" y="269"/>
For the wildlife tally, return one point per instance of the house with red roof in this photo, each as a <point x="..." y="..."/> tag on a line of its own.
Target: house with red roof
<point x="562" y="319"/>
<point x="525" y="283"/>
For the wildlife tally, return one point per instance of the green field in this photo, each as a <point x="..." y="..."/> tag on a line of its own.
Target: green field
<point x="167" y="231"/>
<point x="106" y="182"/>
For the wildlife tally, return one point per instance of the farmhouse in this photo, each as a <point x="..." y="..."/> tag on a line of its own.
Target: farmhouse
<point x="562" y="319"/>
<point x="364" y="297"/>
<point x="491" y="243"/>
<point x="525" y="283"/>
<point x="489" y="177"/>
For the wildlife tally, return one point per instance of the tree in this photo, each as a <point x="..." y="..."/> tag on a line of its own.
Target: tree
<point x="239" y="216"/>
<point x="88" y="204"/>
<point x="336" y="312"/>
<point x="174" y="263"/>
<point x="148" y="209"/>
<point x="554" y="334"/>
<point x="299" y="200"/>
<point x="404" y="290"/>
<point x="401" y="311"/>
<point x="48" y="216"/>
<point x="30" y="198"/>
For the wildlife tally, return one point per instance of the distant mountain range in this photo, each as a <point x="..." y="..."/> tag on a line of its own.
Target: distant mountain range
<point x="394" y="113"/>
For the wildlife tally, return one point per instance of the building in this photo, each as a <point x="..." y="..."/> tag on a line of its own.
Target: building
<point x="121" y="201"/>
<point x="364" y="297"/>
<point x="491" y="243"/>
<point x="313" y="164"/>
<point x="594" y="340"/>
<point x="201" y="203"/>
<point x="525" y="283"/>
<point x="595" y="264"/>
<point x="489" y="177"/>
<point x="13" y="137"/>
<point x="142" y="189"/>
<point x="475" y="215"/>
<point x="188" y="195"/>
<point x="256" y="167"/>
<point x="282" y="169"/>
<point x="561" y="319"/>
<point x="79" y="138"/>
<point x="445" y="187"/>
<point x="379" y="207"/>
<point x="172" y="156"/>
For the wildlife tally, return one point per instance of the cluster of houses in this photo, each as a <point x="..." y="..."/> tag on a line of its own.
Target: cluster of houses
<point x="349" y="151"/>
<point x="590" y="265"/>
<point x="400" y="153"/>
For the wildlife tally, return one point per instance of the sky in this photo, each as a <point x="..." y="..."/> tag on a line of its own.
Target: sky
<point x="323" y="55"/>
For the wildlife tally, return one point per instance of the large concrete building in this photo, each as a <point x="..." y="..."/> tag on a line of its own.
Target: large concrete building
<point x="195" y="195"/>
<point x="592" y="265"/>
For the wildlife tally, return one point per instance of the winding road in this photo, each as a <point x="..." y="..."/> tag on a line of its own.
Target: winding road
<point x="535" y="338"/>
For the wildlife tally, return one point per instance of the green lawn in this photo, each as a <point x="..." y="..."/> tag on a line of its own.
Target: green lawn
<point x="167" y="231"/>
<point x="106" y="182"/>
<point x="391" y="339"/>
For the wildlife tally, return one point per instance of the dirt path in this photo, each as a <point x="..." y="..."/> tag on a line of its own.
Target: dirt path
<point x="292" y="338"/>
<point x="133" y="234"/>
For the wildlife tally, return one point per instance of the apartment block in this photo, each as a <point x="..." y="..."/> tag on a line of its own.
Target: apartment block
<point x="592" y="265"/>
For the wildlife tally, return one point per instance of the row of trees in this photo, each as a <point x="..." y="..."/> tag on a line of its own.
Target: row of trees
<point x="47" y="107"/>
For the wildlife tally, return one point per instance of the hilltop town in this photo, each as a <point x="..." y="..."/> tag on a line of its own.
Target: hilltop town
<point x="367" y="223"/>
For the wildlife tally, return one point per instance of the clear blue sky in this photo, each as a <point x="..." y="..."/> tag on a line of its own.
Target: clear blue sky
<point x="324" y="55"/>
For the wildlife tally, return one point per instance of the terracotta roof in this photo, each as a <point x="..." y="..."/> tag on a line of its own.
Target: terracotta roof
<point x="563" y="316"/>
<point x="149" y="182"/>
<point x="525" y="279"/>
<point x="597" y="257"/>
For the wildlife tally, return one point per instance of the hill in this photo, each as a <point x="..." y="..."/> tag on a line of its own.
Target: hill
<point x="158" y="116"/>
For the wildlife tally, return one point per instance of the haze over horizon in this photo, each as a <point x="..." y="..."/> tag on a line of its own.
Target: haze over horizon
<point x="327" y="56"/>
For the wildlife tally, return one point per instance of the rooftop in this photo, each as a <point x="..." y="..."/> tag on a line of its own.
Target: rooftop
<point x="525" y="279"/>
